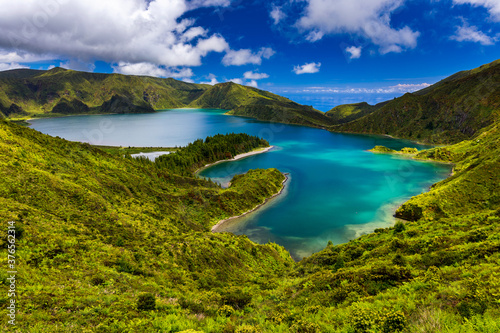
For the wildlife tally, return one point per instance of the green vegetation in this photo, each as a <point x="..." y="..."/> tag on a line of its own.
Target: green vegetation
<point x="107" y="243"/>
<point x="99" y="230"/>
<point x="348" y="112"/>
<point x="122" y="151"/>
<point x="403" y="151"/>
<point x="60" y="92"/>
<point x="382" y="149"/>
<point x="259" y="104"/>
<point x="200" y="153"/>
<point x="450" y="111"/>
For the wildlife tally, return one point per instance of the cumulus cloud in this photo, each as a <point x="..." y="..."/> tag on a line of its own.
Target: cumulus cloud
<point x="308" y="68"/>
<point x="213" y="80"/>
<point x="149" y="69"/>
<point x="246" y="56"/>
<point x="255" y="76"/>
<point x="12" y="56"/>
<point x="399" y="88"/>
<point x="277" y="14"/>
<point x="237" y="81"/>
<point x="467" y="33"/>
<point x="12" y="65"/>
<point x="252" y="83"/>
<point x="128" y="31"/>
<point x="355" y="52"/>
<point x="493" y="6"/>
<point x="371" y="19"/>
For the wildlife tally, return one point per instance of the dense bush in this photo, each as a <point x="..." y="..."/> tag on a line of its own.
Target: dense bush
<point x="146" y="302"/>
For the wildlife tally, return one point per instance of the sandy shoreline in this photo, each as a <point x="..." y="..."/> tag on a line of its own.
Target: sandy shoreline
<point x="215" y="227"/>
<point x="237" y="157"/>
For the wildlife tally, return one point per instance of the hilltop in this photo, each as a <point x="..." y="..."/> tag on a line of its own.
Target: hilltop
<point x="59" y="91"/>
<point x="450" y="111"/>
<point x="348" y="112"/>
<point x="259" y="104"/>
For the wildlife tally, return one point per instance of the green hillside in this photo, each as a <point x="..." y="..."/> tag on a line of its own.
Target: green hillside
<point x="39" y="92"/>
<point x="60" y="92"/>
<point x="259" y="104"/>
<point x="102" y="237"/>
<point x="349" y="112"/>
<point x="450" y="111"/>
<point x="107" y="243"/>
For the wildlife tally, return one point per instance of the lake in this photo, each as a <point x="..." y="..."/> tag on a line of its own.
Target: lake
<point x="337" y="190"/>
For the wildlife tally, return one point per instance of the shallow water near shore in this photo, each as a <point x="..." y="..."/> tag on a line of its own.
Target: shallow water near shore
<point x="337" y="190"/>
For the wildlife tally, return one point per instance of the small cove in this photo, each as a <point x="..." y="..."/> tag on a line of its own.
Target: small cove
<point x="337" y="190"/>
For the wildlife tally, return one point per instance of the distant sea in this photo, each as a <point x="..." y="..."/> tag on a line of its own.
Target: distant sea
<point x="327" y="101"/>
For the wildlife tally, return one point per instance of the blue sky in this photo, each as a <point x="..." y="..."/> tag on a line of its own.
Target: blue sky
<point x="317" y="52"/>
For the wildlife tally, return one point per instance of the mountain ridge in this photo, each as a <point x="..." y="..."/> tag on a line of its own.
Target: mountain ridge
<point x="60" y="91"/>
<point x="449" y="111"/>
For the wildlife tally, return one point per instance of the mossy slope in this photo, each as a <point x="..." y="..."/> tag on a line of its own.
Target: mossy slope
<point x="95" y="224"/>
<point x="348" y="112"/>
<point x="63" y="92"/>
<point x="450" y="111"/>
<point x="259" y="104"/>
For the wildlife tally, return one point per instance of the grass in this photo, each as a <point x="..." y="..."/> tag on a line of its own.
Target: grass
<point x="101" y="238"/>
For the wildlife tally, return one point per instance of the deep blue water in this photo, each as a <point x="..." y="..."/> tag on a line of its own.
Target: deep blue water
<point x="337" y="190"/>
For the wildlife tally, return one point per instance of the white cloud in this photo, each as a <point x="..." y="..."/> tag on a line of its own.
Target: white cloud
<point x="209" y="3"/>
<point x="314" y="36"/>
<point x="252" y="83"/>
<point x="12" y="56"/>
<point x="277" y="14"/>
<point x="213" y="80"/>
<point x="77" y="65"/>
<point x="399" y="88"/>
<point x="355" y="52"/>
<point x="370" y="19"/>
<point x="149" y="69"/>
<point x="309" y="68"/>
<point x="12" y="65"/>
<point x="493" y="6"/>
<point x="129" y="31"/>
<point x="467" y="33"/>
<point x="246" y="56"/>
<point x="238" y="81"/>
<point x="255" y="76"/>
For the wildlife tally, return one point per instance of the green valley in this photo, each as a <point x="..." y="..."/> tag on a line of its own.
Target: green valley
<point x="109" y="243"/>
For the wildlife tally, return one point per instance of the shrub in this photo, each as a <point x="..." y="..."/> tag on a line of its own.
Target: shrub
<point x="225" y="311"/>
<point x="97" y="281"/>
<point x="313" y="309"/>
<point x="393" y="322"/>
<point x="302" y="326"/>
<point x="195" y="306"/>
<point x="237" y="298"/>
<point x="362" y="320"/>
<point x="399" y="227"/>
<point x="410" y="212"/>
<point x="468" y="308"/>
<point x="476" y="236"/>
<point x="399" y="260"/>
<point x="146" y="302"/>
<point x="246" y="329"/>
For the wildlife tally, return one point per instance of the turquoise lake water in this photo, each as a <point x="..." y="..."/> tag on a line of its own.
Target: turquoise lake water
<point x="337" y="190"/>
